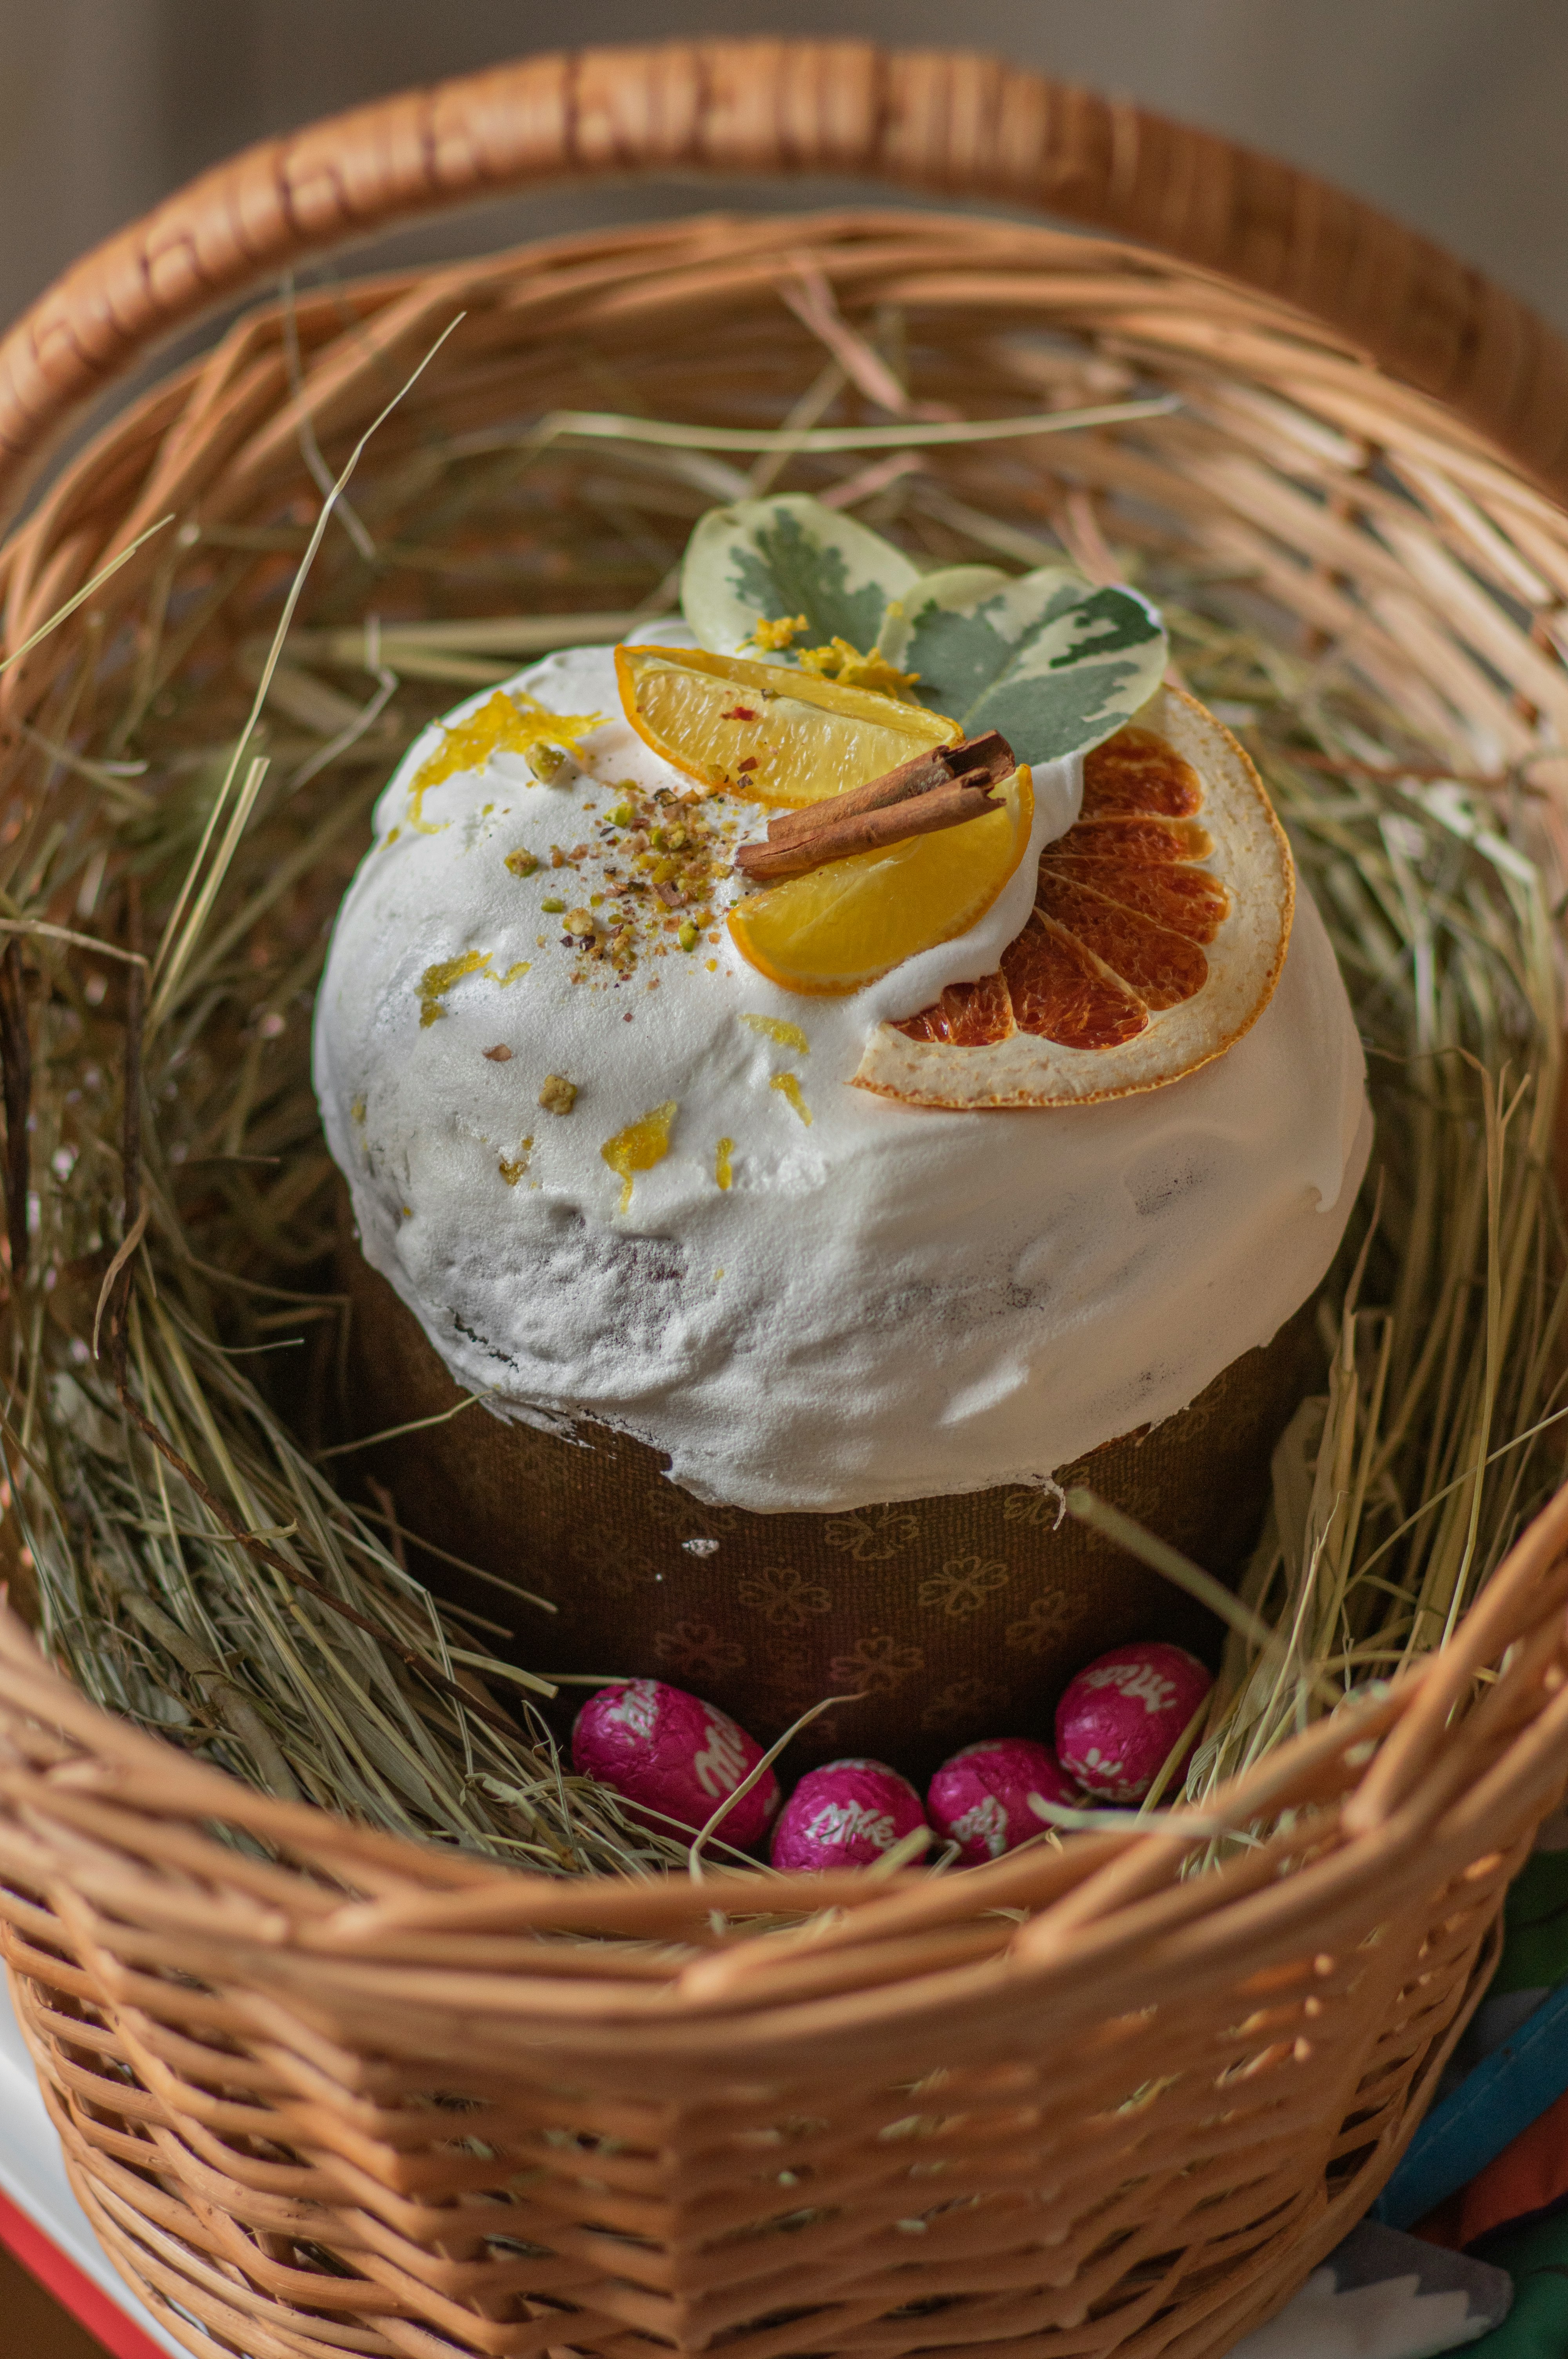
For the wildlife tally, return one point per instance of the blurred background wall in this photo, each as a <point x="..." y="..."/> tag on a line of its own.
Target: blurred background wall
<point x="1451" y="112"/>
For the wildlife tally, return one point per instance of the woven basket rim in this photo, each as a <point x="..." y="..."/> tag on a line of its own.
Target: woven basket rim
<point x="954" y="121"/>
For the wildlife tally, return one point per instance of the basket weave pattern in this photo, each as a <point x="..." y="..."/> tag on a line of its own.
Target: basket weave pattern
<point x="358" y="2096"/>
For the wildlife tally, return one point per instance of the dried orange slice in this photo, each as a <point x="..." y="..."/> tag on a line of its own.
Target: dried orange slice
<point x="764" y="731"/>
<point x="841" y="925"/>
<point x="1159" y="930"/>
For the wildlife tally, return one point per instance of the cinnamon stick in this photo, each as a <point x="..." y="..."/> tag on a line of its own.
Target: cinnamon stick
<point x="922" y="773"/>
<point x="951" y="805"/>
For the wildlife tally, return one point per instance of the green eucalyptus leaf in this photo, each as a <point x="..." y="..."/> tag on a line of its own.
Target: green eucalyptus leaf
<point x="1054" y="663"/>
<point x="771" y="559"/>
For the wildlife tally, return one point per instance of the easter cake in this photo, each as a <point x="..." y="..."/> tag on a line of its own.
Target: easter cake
<point x="824" y="1075"/>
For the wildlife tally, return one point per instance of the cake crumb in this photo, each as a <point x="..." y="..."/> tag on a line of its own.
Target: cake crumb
<point x="558" y="1095"/>
<point x="500" y="1055"/>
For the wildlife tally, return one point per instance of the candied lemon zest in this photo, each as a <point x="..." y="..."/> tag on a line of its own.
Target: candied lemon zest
<point x="518" y="967"/>
<point x="511" y="722"/>
<point x="357" y="1114"/>
<point x="840" y="661"/>
<point x="788" y="1087"/>
<point x="437" y="981"/>
<point x="788" y="1035"/>
<point x="771" y="636"/>
<point x="722" y="1171"/>
<point x="640" y="1146"/>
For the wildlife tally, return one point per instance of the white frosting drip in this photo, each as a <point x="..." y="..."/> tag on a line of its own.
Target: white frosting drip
<point x="890" y="1303"/>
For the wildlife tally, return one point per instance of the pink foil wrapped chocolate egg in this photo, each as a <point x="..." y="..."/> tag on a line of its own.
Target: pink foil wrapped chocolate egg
<point x="1120" y="1716"/>
<point x="669" y="1752"/>
<point x="845" y="1814"/>
<point x="984" y="1798"/>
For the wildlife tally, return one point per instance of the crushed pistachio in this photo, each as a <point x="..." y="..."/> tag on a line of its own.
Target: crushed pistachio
<point x="640" y="1146"/>
<point x="544" y="761"/>
<point x="438" y="980"/>
<point x="558" y="1095"/>
<point x="789" y="1088"/>
<point x="646" y="880"/>
<point x="521" y="864"/>
<point x="512" y="1170"/>
<point x="722" y="1170"/>
<point x="513" y="723"/>
<point x="788" y="1035"/>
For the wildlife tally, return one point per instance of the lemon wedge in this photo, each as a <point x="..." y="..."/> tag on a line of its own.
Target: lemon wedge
<point x="764" y="731"/>
<point x="841" y="925"/>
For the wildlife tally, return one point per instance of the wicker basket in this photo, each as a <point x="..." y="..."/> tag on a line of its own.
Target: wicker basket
<point x="323" y="2091"/>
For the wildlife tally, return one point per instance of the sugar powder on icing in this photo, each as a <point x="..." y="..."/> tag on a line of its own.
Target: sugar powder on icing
<point x="814" y="1298"/>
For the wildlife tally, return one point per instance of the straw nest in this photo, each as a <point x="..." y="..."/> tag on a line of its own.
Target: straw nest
<point x="192" y="752"/>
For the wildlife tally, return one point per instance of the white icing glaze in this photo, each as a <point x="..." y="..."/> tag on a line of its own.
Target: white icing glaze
<point x="890" y="1303"/>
